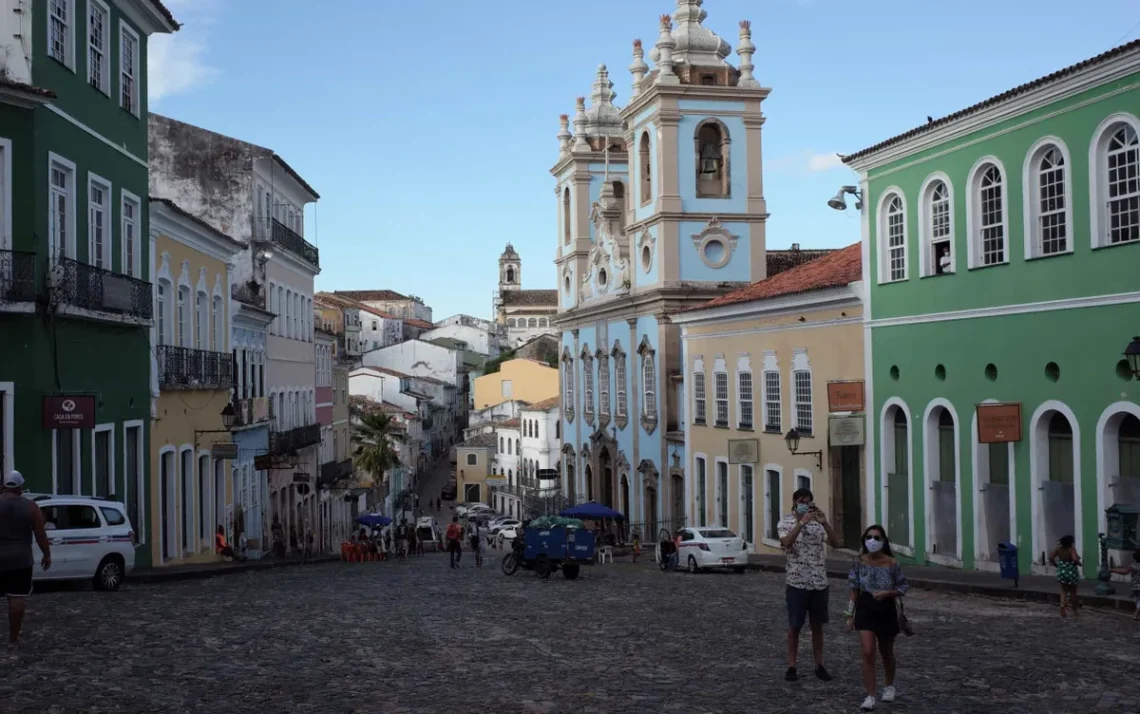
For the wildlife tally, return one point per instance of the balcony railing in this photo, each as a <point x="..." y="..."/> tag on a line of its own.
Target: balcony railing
<point x="187" y="368"/>
<point x="91" y="288"/>
<point x="285" y="237"/>
<point x="335" y="471"/>
<point x="293" y="440"/>
<point x="17" y="276"/>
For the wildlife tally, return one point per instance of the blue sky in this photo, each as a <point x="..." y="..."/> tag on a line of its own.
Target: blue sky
<point x="429" y="127"/>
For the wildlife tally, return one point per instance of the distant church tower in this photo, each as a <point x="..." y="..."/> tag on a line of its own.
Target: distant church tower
<point x="510" y="270"/>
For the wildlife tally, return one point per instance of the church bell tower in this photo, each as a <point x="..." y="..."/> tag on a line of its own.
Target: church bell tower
<point x="510" y="270"/>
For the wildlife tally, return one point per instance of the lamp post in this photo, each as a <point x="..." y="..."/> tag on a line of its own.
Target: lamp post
<point x="792" y="439"/>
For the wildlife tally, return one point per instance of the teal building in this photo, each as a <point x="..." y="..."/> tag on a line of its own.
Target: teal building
<point x="1001" y="251"/>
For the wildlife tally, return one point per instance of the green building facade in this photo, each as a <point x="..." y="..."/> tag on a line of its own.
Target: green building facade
<point x="76" y="299"/>
<point x="1002" y="264"/>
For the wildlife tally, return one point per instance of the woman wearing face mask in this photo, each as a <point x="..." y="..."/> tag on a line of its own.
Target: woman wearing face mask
<point x="876" y="580"/>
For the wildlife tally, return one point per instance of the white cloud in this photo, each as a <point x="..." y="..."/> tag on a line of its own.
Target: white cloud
<point x="824" y="162"/>
<point x="808" y="162"/>
<point x="176" y="63"/>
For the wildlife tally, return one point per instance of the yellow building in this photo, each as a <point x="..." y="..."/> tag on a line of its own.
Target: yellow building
<point x="767" y="366"/>
<point x="520" y="379"/>
<point x="191" y="382"/>
<point x="474" y="458"/>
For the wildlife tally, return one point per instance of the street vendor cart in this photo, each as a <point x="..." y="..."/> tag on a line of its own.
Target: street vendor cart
<point x="549" y="544"/>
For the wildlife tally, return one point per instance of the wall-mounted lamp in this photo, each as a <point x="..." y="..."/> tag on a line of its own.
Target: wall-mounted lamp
<point x="229" y="419"/>
<point x="1132" y="354"/>
<point x="792" y="439"/>
<point x="839" y="202"/>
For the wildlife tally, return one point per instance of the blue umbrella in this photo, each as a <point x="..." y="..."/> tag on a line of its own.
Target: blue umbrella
<point x="373" y="520"/>
<point x="591" y="510"/>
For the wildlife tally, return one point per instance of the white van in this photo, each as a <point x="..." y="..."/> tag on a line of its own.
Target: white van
<point x="91" y="539"/>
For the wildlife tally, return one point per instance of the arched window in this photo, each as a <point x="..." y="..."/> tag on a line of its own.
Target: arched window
<point x="219" y="325"/>
<point x="510" y="446"/>
<point x="501" y="445"/>
<point x="185" y="339"/>
<point x="288" y="331"/>
<point x="532" y="322"/>
<point x="518" y="447"/>
<point x="1117" y="206"/>
<point x="619" y="196"/>
<point x="646" y="165"/>
<point x="201" y="322"/>
<point x="892" y="236"/>
<point x="162" y="316"/>
<point x="987" y="216"/>
<point x="566" y="216"/>
<point x="1128" y="439"/>
<point x="712" y="160"/>
<point x="510" y="322"/>
<point x="510" y="275"/>
<point x="1060" y="449"/>
<point x="937" y="229"/>
<point x="1047" y="197"/>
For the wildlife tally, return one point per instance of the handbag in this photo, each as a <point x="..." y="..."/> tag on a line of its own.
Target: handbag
<point x="904" y="622"/>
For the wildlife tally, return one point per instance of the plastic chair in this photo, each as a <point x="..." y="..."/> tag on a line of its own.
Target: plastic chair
<point x="606" y="551"/>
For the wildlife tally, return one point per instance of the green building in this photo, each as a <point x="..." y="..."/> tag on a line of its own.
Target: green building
<point x="1002" y="264"/>
<point x="76" y="300"/>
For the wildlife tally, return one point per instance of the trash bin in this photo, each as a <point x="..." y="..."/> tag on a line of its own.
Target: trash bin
<point x="1007" y="560"/>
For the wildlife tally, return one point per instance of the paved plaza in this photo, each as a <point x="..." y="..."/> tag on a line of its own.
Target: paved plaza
<point x="419" y="637"/>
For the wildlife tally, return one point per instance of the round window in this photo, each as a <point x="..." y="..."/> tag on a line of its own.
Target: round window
<point x="602" y="277"/>
<point x="714" y="252"/>
<point x="566" y="284"/>
<point x="646" y="258"/>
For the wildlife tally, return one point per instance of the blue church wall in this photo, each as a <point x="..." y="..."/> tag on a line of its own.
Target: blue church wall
<point x="639" y="276"/>
<point x="738" y="163"/>
<point x="692" y="267"/>
<point x="566" y="297"/>
<point x="710" y="106"/>
<point x="643" y="116"/>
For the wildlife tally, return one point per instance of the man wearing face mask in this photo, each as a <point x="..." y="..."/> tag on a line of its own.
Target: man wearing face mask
<point x="803" y="534"/>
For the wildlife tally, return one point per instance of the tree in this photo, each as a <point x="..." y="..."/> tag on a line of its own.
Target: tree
<point x="374" y="436"/>
<point x="492" y="365"/>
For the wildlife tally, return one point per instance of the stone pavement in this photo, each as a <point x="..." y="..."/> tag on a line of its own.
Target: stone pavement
<point x="391" y="638"/>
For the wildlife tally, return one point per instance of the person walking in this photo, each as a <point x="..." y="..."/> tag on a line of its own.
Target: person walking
<point x="876" y="581"/>
<point x="804" y="532"/>
<point x="478" y="538"/>
<point x="1134" y="571"/>
<point x="402" y="540"/>
<point x="1067" y="561"/>
<point x="454" y="533"/>
<point x="20" y="521"/>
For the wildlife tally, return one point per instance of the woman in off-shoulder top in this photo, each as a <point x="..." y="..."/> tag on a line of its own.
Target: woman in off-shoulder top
<point x="876" y="580"/>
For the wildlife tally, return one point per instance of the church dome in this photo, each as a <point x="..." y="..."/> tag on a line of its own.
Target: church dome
<point x="695" y="44"/>
<point x="603" y="118"/>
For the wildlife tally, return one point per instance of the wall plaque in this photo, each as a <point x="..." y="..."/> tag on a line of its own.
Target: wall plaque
<point x="845" y="396"/>
<point x="999" y="422"/>
<point x="69" y="412"/>
<point x="846" y="430"/>
<point x="743" y="451"/>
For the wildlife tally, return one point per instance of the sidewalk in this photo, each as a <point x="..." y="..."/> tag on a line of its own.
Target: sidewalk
<point x="1033" y="588"/>
<point x="173" y="573"/>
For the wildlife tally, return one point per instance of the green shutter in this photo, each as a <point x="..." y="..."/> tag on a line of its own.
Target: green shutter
<point x="998" y="455"/>
<point x="946" y="453"/>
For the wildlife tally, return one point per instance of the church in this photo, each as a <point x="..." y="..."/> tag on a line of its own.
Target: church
<point x="660" y="208"/>
<point x="523" y="314"/>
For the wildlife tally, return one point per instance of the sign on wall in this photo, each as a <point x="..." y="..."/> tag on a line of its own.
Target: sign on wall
<point x="69" y="412"/>
<point x="847" y="430"/>
<point x="224" y="450"/>
<point x="999" y="422"/>
<point x="743" y="451"/>
<point x="263" y="462"/>
<point x="495" y="482"/>
<point x="299" y="477"/>
<point x="845" y="396"/>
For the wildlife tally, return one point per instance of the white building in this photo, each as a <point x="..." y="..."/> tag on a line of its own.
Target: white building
<point x="507" y="499"/>
<point x="525" y="314"/>
<point x="478" y="339"/>
<point x="405" y="307"/>
<point x="496" y="413"/>
<point x="541" y="428"/>
<point x="419" y="359"/>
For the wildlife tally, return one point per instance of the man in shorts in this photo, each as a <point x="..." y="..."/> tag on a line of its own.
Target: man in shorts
<point x="803" y="535"/>
<point x="20" y="519"/>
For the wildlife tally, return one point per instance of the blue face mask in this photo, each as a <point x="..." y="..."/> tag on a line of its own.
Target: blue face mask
<point x="802" y="508"/>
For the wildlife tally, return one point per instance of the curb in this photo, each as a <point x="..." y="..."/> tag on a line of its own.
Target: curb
<point x="157" y="576"/>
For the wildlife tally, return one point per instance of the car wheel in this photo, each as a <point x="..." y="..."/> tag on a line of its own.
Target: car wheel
<point x="109" y="575"/>
<point x="739" y="569"/>
<point x="693" y="565"/>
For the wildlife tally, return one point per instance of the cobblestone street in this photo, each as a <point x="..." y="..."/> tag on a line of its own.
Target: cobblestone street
<point x="419" y="637"/>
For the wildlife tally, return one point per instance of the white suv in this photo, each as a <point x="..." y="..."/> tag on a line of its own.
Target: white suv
<point x="91" y="539"/>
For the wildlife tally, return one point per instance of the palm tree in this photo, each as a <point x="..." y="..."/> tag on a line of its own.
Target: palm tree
<point x="374" y="435"/>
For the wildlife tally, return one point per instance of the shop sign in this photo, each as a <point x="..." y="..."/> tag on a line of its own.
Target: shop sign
<point x="999" y="422"/>
<point x="264" y="462"/>
<point x="299" y="477"/>
<point x="743" y="451"/>
<point x="847" y="430"/>
<point x="69" y="412"/>
<point x="224" y="450"/>
<point x="845" y="396"/>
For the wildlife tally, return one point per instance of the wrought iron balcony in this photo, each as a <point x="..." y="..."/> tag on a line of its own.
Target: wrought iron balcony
<point x="17" y="276"/>
<point x="91" y="288"/>
<point x="285" y="237"/>
<point x="334" y="471"/>
<point x="187" y="368"/>
<point x="290" y="441"/>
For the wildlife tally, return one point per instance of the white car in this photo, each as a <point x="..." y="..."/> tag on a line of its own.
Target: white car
<point x="91" y="539"/>
<point x="504" y="523"/>
<point x="463" y="509"/>
<point x="712" y="547"/>
<point x="509" y="532"/>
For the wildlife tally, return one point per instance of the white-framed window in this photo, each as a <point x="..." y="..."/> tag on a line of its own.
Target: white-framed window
<point x="773" y="414"/>
<point x="162" y="301"/>
<point x="588" y="384"/>
<point x="61" y="219"/>
<point x="185" y="338"/>
<point x="621" y="392"/>
<point x="507" y="388"/>
<point x="892" y="229"/>
<point x="219" y="323"/>
<point x="65" y="462"/>
<point x="1115" y="169"/>
<point x="744" y="408"/>
<point x="128" y="69"/>
<point x="936" y="225"/>
<point x="567" y="384"/>
<point x="129" y="234"/>
<point x="700" y="404"/>
<point x="288" y="331"/>
<point x="98" y="46"/>
<point x="987" y="214"/>
<point x="720" y="387"/>
<point x="201" y="322"/>
<point x="61" y="32"/>
<point x="1047" y="199"/>
<point x="801" y="388"/>
<point x="649" y="384"/>
<point x="7" y="426"/>
<point x="98" y="222"/>
<point x="103" y="461"/>
<point x="603" y="384"/>
<point x="5" y="195"/>
<point x="134" y="477"/>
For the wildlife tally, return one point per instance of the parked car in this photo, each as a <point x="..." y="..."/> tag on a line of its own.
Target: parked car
<point x="462" y="509"/>
<point x="91" y="539"/>
<point x="712" y="547"/>
<point x="501" y="523"/>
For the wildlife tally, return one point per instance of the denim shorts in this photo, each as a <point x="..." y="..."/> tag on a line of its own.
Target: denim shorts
<point x="803" y="603"/>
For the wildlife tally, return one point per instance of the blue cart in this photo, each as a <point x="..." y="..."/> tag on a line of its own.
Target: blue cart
<point x="545" y="550"/>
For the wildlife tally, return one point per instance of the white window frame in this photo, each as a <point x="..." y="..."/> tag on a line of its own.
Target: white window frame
<point x="6" y="194"/>
<point x="131" y="264"/>
<point x="885" y="276"/>
<point x="797" y="474"/>
<point x="621" y="385"/>
<point x="768" y="499"/>
<point x="649" y="384"/>
<point x="720" y="378"/>
<point x="218" y="321"/>
<point x="1098" y="177"/>
<point x="928" y="260"/>
<point x="77" y="461"/>
<point x="69" y="42"/>
<point x="744" y="367"/>
<point x="604" y="405"/>
<point x="93" y="181"/>
<point x="99" y="428"/>
<point x="8" y="436"/>
<point x="801" y="365"/>
<point x="70" y="248"/>
<point x="567" y="385"/>
<point x="201" y="319"/>
<point x="140" y="485"/>
<point x="587" y="383"/>
<point x="1031" y="197"/>
<point x="184" y="321"/>
<point x="974" y="210"/>
<point x="104" y="78"/>
<point x="720" y="462"/>
<point x="136" y="97"/>
<point x="701" y="395"/>
<point x="771" y="366"/>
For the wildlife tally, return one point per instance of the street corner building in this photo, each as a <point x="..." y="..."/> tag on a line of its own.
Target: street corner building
<point x="475" y="457"/>
<point x="776" y="402"/>
<point x="1000" y="247"/>
<point x="76" y="295"/>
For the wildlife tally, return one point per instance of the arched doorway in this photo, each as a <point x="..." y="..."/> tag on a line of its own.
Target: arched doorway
<point x="940" y="448"/>
<point x="650" y="510"/>
<point x="589" y="483"/>
<point x="607" y="467"/>
<point x="895" y="460"/>
<point x="1118" y="458"/>
<point x="624" y="507"/>
<point x="571" y="482"/>
<point x="677" y="487"/>
<point x="1055" y="463"/>
<point x="993" y="467"/>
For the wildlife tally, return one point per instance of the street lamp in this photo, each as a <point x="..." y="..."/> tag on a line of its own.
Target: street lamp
<point x="229" y="416"/>
<point x="1132" y="354"/>
<point x="792" y="439"/>
<point x="839" y="201"/>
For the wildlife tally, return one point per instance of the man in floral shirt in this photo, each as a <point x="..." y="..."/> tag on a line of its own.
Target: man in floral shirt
<point x="803" y="534"/>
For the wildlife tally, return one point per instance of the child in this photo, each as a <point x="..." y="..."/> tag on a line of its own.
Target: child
<point x="1067" y="562"/>
<point x="1134" y="570"/>
<point x="636" y="546"/>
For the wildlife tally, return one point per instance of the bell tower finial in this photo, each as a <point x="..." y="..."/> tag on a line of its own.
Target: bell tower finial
<point x="663" y="53"/>
<point x="746" y="49"/>
<point x="638" y="68"/>
<point x="563" y="135"/>
<point x="580" y="143"/>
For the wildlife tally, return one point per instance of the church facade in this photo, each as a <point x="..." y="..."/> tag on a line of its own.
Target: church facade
<point x="523" y="314"/>
<point x="661" y="208"/>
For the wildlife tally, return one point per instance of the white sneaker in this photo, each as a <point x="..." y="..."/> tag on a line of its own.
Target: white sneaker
<point x="889" y="694"/>
<point x="868" y="704"/>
